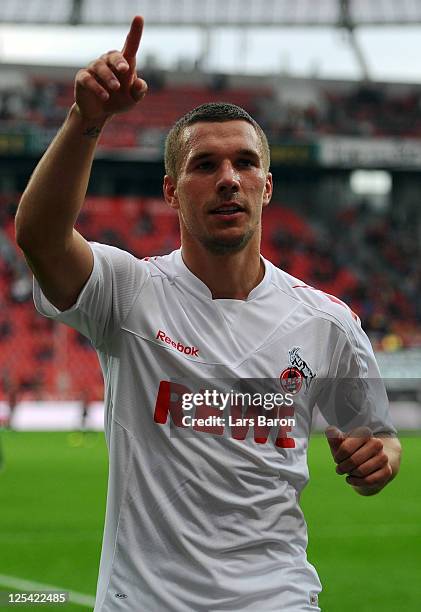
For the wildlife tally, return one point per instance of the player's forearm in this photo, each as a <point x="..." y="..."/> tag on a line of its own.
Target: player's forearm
<point x="56" y="191"/>
<point x="392" y="448"/>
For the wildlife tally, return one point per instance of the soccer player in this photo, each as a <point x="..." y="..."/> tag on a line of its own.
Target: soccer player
<point x="200" y="517"/>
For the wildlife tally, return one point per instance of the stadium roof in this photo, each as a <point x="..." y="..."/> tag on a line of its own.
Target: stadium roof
<point x="277" y="13"/>
<point x="208" y="15"/>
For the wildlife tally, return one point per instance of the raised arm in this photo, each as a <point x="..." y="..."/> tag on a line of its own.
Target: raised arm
<point x="58" y="255"/>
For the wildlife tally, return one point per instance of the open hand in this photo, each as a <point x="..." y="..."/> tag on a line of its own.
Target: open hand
<point x="110" y="84"/>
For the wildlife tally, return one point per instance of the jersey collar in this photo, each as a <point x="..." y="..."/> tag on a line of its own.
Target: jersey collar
<point x="195" y="285"/>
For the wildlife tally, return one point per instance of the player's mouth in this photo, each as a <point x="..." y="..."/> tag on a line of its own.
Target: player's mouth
<point x="229" y="209"/>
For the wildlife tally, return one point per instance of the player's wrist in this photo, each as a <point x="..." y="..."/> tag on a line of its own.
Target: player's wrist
<point x="89" y="126"/>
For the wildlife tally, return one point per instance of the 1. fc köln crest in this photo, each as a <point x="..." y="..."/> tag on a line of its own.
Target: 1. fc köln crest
<point x="297" y="373"/>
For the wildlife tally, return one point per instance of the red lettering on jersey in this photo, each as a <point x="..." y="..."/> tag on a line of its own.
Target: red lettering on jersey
<point x="282" y="440"/>
<point x="205" y="411"/>
<point x="187" y="350"/>
<point x="239" y="425"/>
<point x="169" y="401"/>
<point x="241" y="422"/>
<point x="261" y="432"/>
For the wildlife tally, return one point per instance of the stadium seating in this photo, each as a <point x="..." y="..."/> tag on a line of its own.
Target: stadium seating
<point x="360" y="110"/>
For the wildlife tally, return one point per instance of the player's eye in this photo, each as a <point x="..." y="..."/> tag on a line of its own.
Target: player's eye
<point x="245" y="162"/>
<point x="204" y="165"/>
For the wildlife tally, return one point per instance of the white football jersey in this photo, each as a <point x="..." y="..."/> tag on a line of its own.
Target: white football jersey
<point x="203" y="503"/>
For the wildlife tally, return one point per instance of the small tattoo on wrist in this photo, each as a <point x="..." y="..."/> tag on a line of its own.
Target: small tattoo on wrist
<point x="92" y="132"/>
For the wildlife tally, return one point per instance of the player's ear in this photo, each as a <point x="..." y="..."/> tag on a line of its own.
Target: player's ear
<point x="267" y="194"/>
<point x="170" y="192"/>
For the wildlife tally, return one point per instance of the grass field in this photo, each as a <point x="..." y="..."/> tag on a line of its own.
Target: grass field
<point x="52" y="500"/>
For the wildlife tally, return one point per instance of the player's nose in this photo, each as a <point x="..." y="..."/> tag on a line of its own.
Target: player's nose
<point x="228" y="178"/>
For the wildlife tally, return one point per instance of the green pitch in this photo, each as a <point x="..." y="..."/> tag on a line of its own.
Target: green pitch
<point x="52" y="499"/>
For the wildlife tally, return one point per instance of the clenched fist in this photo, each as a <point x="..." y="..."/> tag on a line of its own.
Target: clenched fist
<point x="366" y="459"/>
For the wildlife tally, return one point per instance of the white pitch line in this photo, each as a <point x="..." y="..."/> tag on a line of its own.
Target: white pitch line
<point x="28" y="585"/>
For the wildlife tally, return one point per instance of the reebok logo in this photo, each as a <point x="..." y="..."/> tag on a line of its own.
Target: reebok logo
<point x="187" y="350"/>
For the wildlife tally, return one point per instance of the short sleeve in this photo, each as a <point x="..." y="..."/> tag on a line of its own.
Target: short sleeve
<point x="106" y="299"/>
<point x="354" y="393"/>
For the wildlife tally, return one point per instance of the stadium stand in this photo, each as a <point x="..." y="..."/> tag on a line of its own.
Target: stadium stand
<point x="358" y="110"/>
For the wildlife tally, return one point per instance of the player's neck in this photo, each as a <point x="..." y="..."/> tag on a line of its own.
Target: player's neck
<point x="230" y="276"/>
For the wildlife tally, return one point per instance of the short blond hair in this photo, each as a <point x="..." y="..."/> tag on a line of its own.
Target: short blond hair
<point x="210" y="112"/>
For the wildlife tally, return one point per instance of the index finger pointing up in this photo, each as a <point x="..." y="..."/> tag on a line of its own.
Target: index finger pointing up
<point x="132" y="42"/>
